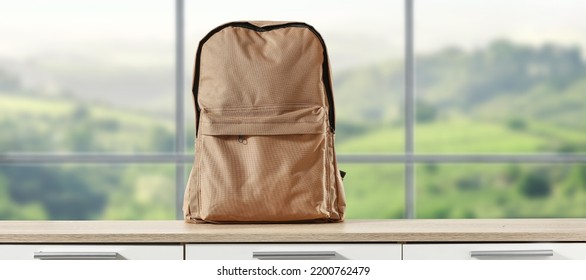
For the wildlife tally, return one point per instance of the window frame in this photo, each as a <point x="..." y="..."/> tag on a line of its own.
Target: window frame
<point x="409" y="158"/>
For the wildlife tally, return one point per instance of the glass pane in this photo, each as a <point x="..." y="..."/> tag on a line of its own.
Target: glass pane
<point x="87" y="192"/>
<point x="500" y="76"/>
<point x="79" y="76"/>
<point x="365" y="45"/>
<point x="500" y="190"/>
<point x="374" y="191"/>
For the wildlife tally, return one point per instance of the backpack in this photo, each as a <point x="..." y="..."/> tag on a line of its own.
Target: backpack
<point x="264" y="112"/>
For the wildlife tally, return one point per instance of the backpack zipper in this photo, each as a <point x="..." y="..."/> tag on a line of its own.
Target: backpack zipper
<point x="242" y="140"/>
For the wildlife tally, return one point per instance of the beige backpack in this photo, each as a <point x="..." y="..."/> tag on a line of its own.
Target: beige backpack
<point x="264" y="149"/>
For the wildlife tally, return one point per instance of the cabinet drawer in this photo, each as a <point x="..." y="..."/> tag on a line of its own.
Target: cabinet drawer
<point x="495" y="251"/>
<point x="293" y="251"/>
<point x="118" y="252"/>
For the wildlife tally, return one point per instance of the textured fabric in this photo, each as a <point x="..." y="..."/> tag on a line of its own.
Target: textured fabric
<point x="264" y="148"/>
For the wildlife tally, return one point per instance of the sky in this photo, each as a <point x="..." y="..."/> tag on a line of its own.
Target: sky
<point x="472" y="24"/>
<point x="48" y="42"/>
<point x="357" y="32"/>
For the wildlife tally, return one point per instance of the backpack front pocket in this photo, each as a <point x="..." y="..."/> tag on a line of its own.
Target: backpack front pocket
<point x="263" y="164"/>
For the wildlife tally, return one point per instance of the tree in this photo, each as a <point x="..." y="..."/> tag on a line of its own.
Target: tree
<point x="536" y="184"/>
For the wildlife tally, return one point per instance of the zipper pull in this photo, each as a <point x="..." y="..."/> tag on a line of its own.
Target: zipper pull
<point x="242" y="140"/>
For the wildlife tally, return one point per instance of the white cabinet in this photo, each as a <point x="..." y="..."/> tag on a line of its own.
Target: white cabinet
<point x="495" y="251"/>
<point x="104" y="252"/>
<point x="334" y="251"/>
<point x="326" y="251"/>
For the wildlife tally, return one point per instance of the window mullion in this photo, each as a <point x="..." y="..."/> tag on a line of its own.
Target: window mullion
<point x="409" y="112"/>
<point x="179" y="114"/>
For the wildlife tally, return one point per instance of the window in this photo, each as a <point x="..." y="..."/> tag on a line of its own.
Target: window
<point x="442" y="110"/>
<point x="501" y="106"/>
<point x="87" y="110"/>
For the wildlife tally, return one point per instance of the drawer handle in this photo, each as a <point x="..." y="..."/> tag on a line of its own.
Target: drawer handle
<point x="294" y="255"/>
<point x="512" y="253"/>
<point x="76" y="255"/>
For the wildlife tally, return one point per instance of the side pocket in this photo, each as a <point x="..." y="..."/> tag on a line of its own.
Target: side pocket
<point x="191" y="196"/>
<point x="337" y="201"/>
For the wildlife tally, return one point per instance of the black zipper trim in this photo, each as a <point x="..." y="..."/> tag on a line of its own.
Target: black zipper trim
<point x="325" y="65"/>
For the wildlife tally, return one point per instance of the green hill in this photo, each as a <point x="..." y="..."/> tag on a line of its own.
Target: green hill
<point x="500" y="83"/>
<point x="60" y="125"/>
<point x="466" y="190"/>
<point x="72" y="191"/>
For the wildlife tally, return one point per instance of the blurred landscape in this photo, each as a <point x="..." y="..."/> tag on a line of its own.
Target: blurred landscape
<point x="502" y="98"/>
